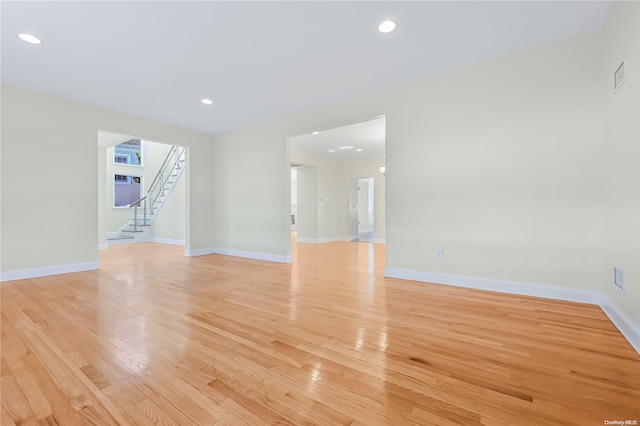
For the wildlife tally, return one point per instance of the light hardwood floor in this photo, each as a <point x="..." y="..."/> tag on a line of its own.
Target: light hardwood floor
<point x="157" y="338"/>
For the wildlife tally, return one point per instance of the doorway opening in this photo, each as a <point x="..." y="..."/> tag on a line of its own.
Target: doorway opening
<point x="305" y="206"/>
<point x="361" y="212"/>
<point x="330" y="165"/>
<point x="142" y="193"/>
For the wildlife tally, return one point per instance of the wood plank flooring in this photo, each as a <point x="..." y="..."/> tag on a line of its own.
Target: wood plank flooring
<point x="157" y="338"/>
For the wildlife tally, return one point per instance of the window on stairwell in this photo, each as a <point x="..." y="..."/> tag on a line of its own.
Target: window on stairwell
<point x="127" y="189"/>
<point x="128" y="153"/>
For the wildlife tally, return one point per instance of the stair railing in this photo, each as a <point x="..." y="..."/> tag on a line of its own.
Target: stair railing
<point x="157" y="187"/>
<point x="135" y="206"/>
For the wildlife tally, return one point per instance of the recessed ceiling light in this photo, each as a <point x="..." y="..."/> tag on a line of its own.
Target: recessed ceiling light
<point x="207" y="101"/>
<point x="345" y="147"/>
<point x="30" y="38"/>
<point x="387" y="27"/>
<point x="359" y="149"/>
<point x="315" y="133"/>
<point x="332" y="150"/>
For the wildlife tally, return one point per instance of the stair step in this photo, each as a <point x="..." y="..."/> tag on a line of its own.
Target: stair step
<point x="130" y="230"/>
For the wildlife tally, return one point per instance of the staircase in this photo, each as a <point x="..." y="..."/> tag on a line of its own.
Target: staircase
<point x="145" y="210"/>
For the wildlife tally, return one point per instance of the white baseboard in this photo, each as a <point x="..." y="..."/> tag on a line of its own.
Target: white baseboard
<point x="200" y="252"/>
<point x="22" y="274"/>
<point x="103" y="246"/>
<point x="256" y="255"/>
<point x="240" y="253"/>
<point x="319" y="240"/>
<point x="332" y="239"/>
<point x="167" y="241"/>
<point x="627" y="327"/>
<point x="512" y="287"/>
<point x="307" y="240"/>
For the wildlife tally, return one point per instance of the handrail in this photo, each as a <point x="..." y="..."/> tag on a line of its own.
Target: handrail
<point x="170" y="162"/>
<point x="137" y="202"/>
<point x="164" y="163"/>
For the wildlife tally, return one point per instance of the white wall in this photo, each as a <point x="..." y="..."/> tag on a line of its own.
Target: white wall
<point x="363" y="205"/>
<point x="46" y="224"/>
<point x="307" y="203"/>
<point x="294" y="197"/>
<point x="620" y="157"/>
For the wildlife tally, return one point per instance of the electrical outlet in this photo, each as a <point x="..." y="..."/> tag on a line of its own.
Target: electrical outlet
<point x="257" y="239"/>
<point x="618" y="277"/>
<point x="439" y="253"/>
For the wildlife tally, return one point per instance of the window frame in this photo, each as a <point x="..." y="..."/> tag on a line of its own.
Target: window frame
<point x="115" y="183"/>
<point x="129" y="156"/>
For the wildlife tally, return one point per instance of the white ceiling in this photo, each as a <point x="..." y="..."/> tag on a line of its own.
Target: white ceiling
<point x="261" y="60"/>
<point x="368" y="136"/>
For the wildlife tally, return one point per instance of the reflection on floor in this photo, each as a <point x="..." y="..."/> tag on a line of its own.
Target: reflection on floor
<point x="365" y="237"/>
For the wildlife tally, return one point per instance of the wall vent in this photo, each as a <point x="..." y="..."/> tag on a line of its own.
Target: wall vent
<point x="618" y="277"/>
<point x="618" y="77"/>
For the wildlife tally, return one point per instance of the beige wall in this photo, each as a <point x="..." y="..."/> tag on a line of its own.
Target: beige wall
<point x="307" y="229"/>
<point x="498" y="164"/>
<point x="620" y="157"/>
<point x="251" y="184"/>
<point x="46" y="223"/>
